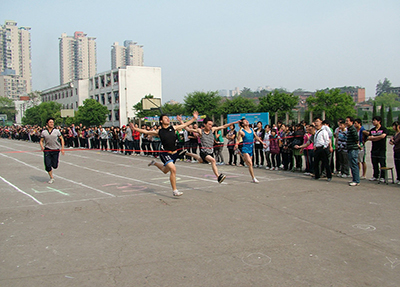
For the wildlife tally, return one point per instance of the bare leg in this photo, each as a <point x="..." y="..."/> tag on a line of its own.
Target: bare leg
<point x="170" y="167"/>
<point x="364" y="168"/>
<point x="213" y="165"/>
<point x="195" y="156"/>
<point x="248" y="160"/>
<point x="51" y="174"/>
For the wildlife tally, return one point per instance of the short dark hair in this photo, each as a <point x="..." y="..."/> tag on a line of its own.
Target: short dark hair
<point x="317" y="118"/>
<point x="49" y="119"/>
<point x="341" y="122"/>
<point x="377" y="118"/>
<point x="350" y="119"/>
<point x="206" y="120"/>
<point x="358" y="120"/>
<point x="161" y="117"/>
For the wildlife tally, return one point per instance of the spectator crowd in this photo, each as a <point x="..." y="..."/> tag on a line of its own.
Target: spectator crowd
<point x="316" y="149"/>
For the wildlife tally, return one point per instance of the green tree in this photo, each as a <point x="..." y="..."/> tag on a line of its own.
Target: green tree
<point x="38" y="115"/>
<point x="383" y="87"/>
<point x="204" y="103"/>
<point x="173" y="109"/>
<point x="383" y="115"/>
<point x="389" y="119"/>
<point x="238" y="105"/>
<point x="374" y="112"/>
<point x="145" y="113"/>
<point x="7" y="107"/>
<point x="279" y="102"/>
<point x="335" y="104"/>
<point x="246" y="93"/>
<point x="387" y="99"/>
<point x="365" y="117"/>
<point x="91" y="113"/>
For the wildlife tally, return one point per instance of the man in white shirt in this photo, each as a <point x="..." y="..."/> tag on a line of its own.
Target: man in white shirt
<point x="321" y="149"/>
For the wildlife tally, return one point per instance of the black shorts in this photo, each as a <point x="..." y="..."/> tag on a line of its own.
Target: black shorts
<point x="51" y="159"/>
<point x="204" y="154"/>
<point x="167" y="157"/>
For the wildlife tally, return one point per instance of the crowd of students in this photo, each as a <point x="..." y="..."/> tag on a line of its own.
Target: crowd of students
<point x="283" y="147"/>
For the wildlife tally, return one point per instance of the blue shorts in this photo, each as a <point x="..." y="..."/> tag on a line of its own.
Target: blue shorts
<point x="167" y="157"/>
<point x="248" y="148"/>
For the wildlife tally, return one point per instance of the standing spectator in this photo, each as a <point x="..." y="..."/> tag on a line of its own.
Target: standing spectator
<point x="180" y="138"/>
<point x="266" y="149"/>
<point x="103" y="138"/>
<point x="258" y="147"/>
<point x="231" y="137"/>
<point x="377" y="136"/>
<point x="352" y="151"/>
<point x="298" y="137"/>
<point x="309" y="150"/>
<point x="395" y="141"/>
<point x="136" y="140"/>
<point x="218" y="146"/>
<point x="341" y="146"/>
<point x="322" y="148"/>
<point x="274" y="142"/>
<point x="128" y="141"/>
<point x="194" y="140"/>
<point x="361" y="153"/>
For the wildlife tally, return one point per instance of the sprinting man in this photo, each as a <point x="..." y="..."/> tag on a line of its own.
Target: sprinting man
<point x="51" y="147"/>
<point x="248" y="135"/>
<point x="207" y="143"/>
<point x="169" y="152"/>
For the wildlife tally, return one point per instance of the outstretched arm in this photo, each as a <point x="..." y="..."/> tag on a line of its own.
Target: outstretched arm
<point x="146" y="132"/>
<point x="184" y="125"/>
<point x="224" y="126"/>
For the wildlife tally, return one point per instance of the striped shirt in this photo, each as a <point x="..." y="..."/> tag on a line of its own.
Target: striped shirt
<point x="207" y="142"/>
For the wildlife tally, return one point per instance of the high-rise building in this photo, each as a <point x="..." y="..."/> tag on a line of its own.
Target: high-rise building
<point x="77" y="57"/>
<point x="130" y="54"/>
<point x="15" y="60"/>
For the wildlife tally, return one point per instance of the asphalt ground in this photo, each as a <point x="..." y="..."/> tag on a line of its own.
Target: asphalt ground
<point x="110" y="220"/>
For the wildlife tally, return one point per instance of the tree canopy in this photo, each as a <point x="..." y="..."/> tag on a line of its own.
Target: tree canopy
<point x="383" y="87"/>
<point x="38" y="115"/>
<point x="387" y="99"/>
<point x="91" y="113"/>
<point x="279" y="102"/>
<point x="335" y="104"/>
<point x="206" y="103"/>
<point x="238" y="105"/>
<point x="7" y="107"/>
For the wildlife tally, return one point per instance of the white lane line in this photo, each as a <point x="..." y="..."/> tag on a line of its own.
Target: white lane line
<point x="21" y="191"/>
<point x="58" y="176"/>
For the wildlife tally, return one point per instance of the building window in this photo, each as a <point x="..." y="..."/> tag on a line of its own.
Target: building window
<point x="116" y="115"/>
<point x="108" y="79"/>
<point x="109" y="115"/>
<point x="116" y="97"/>
<point x="96" y="98"/>
<point x="115" y="78"/>
<point x="102" y="81"/>
<point x="103" y="99"/>
<point x="97" y="82"/>
<point x="109" y="98"/>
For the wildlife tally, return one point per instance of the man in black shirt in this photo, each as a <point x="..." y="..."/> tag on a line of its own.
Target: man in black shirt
<point x="168" y="140"/>
<point x="377" y="136"/>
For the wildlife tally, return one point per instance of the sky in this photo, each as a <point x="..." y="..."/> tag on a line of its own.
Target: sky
<point x="216" y="45"/>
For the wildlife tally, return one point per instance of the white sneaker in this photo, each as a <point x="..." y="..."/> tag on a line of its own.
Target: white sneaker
<point x="382" y="180"/>
<point x="397" y="181"/>
<point x="255" y="180"/>
<point x="354" y="184"/>
<point x="177" y="193"/>
<point x="373" y="179"/>
<point x="344" y="176"/>
<point x="363" y="177"/>
<point x="51" y="180"/>
<point x="307" y="173"/>
<point x="267" y="168"/>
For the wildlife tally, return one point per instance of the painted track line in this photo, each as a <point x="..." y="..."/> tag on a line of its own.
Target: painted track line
<point x="19" y="190"/>
<point x="58" y="176"/>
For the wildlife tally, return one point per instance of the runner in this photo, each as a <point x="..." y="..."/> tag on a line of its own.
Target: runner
<point x="248" y="136"/>
<point x="169" y="152"/>
<point x="207" y="142"/>
<point x="51" y="147"/>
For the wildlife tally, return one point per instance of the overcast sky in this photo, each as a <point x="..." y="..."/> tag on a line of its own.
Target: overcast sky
<point x="212" y="45"/>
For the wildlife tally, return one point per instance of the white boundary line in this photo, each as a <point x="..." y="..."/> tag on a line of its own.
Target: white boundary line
<point x="21" y="191"/>
<point x="66" y="179"/>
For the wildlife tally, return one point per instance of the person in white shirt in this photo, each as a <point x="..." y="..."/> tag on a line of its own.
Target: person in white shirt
<point x="322" y="146"/>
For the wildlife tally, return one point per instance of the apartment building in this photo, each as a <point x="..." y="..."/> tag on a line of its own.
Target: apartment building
<point x="15" y="60"/>
<point x="77" y="57"/>
<point x="130" y="54"/>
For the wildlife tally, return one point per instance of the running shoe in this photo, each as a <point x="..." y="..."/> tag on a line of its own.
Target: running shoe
<point x="51" y="180"/>
<point x="152" y="163"/>
<point x="354" y="184"/>
<point x="221" y="178"/>
<point x="373" y="179"/>
<point x="255" y="180"/>
<point x="177" y="193"/>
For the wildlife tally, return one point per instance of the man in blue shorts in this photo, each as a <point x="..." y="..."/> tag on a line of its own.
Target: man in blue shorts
<point x="169" y="152"/>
